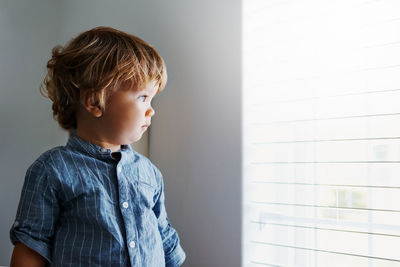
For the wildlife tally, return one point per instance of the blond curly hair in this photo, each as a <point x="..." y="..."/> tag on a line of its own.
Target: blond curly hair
<point x="97" y="62"/>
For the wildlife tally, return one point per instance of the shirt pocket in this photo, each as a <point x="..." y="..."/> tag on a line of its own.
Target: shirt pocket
<point x="146" y="194"/>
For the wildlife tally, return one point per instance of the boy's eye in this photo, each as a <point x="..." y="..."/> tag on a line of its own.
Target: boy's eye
<point x="143" y="97"/>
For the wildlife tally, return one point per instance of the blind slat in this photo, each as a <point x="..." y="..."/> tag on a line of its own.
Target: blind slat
<point x="325" y="229"/>
<point x="327" y="251"/>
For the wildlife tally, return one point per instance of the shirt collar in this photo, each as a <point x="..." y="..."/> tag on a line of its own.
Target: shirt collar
<point x="86" y="147"/>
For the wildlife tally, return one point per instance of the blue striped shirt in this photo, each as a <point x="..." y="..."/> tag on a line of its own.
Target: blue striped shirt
<point x="82" y="205"/>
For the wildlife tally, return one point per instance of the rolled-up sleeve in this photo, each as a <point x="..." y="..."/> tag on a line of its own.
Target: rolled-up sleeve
<point x="174" y="254"/>
<point x="37" y="212"/>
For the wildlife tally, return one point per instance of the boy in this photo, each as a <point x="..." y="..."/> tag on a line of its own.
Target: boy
<point x="96" y="201"/>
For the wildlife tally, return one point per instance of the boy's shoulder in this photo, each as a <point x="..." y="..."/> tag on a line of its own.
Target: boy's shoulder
<point x="43" y="167"/>
<point x="147" y="164"/>
<point x="144" y="159"/>
<point x="48" y="161"/>
<point x="49" y="156"/>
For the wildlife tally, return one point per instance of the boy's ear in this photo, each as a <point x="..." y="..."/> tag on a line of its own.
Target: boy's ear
<point x="91" y="105"/>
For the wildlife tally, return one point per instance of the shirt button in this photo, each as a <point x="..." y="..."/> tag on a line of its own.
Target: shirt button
<point x="119" y="168"/>
<point x="16" y="223"/>
<point x="132" y="244"/>
<point x="125" y="205"/>
<point x="104" y="150"/>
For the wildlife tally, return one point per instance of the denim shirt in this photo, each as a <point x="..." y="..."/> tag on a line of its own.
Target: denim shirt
<point x="82" y="205"/>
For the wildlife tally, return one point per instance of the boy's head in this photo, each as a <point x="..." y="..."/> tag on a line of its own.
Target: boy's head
<point x="92" y="77"/>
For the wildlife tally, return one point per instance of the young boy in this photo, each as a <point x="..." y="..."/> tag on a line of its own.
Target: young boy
<point x="96" y="201"/>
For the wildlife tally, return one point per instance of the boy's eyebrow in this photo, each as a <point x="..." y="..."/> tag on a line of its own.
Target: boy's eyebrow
<point x="153" y="95"/>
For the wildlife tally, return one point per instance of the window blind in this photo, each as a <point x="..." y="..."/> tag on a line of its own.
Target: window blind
<point x="321" y="133"/>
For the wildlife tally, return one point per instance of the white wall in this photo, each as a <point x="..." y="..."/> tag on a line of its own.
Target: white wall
<point x="195" y="135"/>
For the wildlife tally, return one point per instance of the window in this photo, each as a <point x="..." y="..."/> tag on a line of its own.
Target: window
<point x="321" y="133"/>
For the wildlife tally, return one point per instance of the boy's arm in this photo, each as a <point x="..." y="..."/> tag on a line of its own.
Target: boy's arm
<point x="24" y="256"/>
<point x="38" y="211"/>
<point x="174" y="254"/>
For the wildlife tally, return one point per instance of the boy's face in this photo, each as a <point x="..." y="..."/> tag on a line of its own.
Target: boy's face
<point x="128" y="113"/>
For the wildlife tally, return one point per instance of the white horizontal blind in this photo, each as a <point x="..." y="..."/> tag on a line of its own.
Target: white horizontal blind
<point x="321" y="133"/>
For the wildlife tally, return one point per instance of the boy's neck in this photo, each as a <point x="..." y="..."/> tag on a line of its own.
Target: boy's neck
<point x="92" y="131"/>
<point x="97" y="140"/>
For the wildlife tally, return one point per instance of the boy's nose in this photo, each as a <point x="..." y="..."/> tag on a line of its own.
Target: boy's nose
<point x="150" y="112"/>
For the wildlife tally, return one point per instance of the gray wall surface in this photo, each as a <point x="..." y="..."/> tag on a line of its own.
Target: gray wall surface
<point x="28" y="30"/>
<point x="195" y="137"/>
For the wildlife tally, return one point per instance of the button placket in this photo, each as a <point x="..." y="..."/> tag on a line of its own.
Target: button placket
<point x="130" y="226"/>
